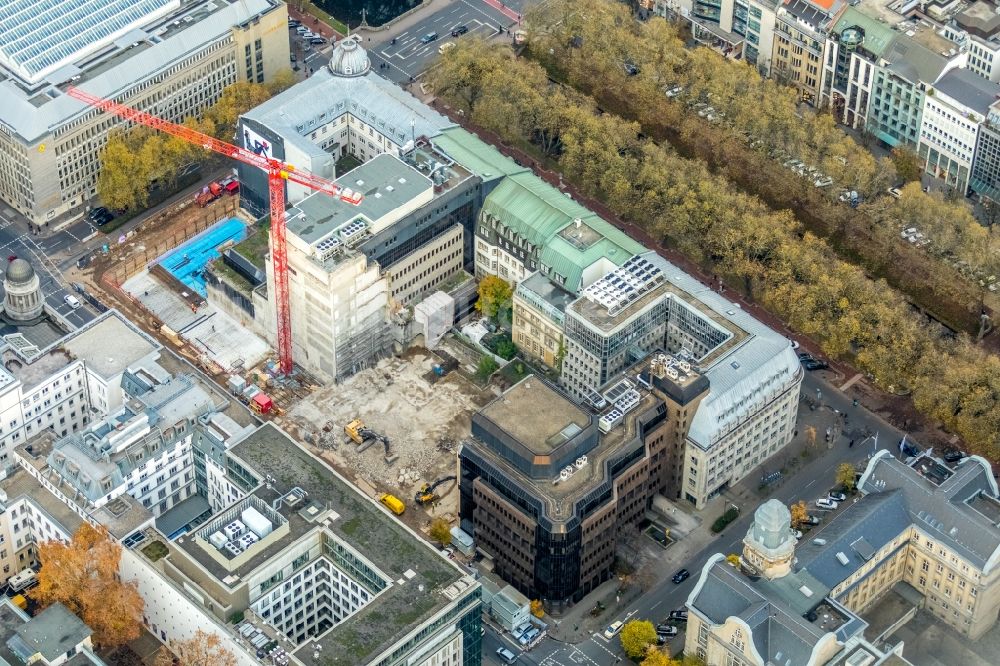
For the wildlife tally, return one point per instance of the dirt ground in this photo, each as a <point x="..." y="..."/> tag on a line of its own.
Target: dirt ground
<point x="424" y="421"/>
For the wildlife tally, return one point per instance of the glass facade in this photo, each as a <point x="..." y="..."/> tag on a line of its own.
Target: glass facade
<point x="37" y="37"/>
<point x="896" y="109"/>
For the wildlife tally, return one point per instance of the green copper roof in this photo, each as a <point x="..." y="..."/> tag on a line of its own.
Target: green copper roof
<point x="475" y="155"/>
<point x="546" y="218"/>
<point x="878" y="36"/>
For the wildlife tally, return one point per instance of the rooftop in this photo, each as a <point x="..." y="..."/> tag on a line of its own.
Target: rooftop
<point x="559" y="492"/>
<point x="110" y="344"/>
<point x="324" y="97"/>
<point x="20" y="484"/>
<point x="103" y="46"/>
<point x="387" y="184"/>
<point x="407" y="560"/>
<point x="52" y="633"/>
<point x="980" y="19"/>
<point x="537" y="416"/>
<point x="944" y="508"/>
<point x="476" y="155"/>
<point x="970" y="90"/>
<point x="38" y="37"/>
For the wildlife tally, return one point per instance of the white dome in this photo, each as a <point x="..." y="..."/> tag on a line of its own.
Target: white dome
<point x="349" y="59"/>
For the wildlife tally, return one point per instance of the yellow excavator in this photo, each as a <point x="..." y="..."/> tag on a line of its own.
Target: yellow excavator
<point x="365" y="437"/>
<point x="426" y="494"/>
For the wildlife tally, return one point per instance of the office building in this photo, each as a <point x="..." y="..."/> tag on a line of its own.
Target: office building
<point x="949" y="129"/>
<point x="799" y="41"/>
<point x="539" y="318"/>
<point x="313" y="566"/>
<point x="169" y="57"/>
<point x="53" y="637"/>
<point x="986" y="164"/>
<point x="975" y="29"/>
<point x="547" y="487"/>
<point x="923" y="531"/>
<point x="753" y="375"/>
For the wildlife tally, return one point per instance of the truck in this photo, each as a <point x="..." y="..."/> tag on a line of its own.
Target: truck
<point x="393" y="503"/>
<point x="208" y="194"/>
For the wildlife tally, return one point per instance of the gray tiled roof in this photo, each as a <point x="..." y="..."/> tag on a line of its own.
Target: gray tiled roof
<point x="914" y="62"/>
<point x="322" y="97"/>
<point x="877" y="519"/>
<point x="942" y="511"/>
<point x="968" y="89"/>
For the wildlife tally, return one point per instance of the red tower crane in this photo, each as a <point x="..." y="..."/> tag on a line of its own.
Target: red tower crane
<point x="277" y="172"/>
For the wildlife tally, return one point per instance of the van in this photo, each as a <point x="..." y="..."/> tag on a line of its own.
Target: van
<point x="447" y="46"/>
<point x="22" y="580"/>
<point x="72" y="301"/>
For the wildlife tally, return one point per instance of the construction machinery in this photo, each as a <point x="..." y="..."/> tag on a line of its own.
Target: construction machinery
<point x="426" y="494"/>
<point x="393" y="503"/>
<point x="364" y="437"/>
<point x="277" y="172"/>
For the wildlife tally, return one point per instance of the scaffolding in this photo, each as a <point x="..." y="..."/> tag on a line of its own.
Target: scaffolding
<point x="371" y="341"/>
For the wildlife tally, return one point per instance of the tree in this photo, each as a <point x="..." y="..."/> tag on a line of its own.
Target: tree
<point x="845" y="476"/>
<point x="121" y="183"/>
<point x="282" y="80"/>
<point x="800" y="513"/>
<point x="733" y="559"/>
<point x="536" y="608"/>
<point x="495" y="295"/>
<point x="440" y="531"/>
<point x="656" y="657"/>
<point x="907" y="163"/>
<point x="235" y="100"/>
<point x="487" y="366"/>
<point x="202" y="649"/>
<point x="810" y="435"/>
<point x="636" y="636"/>
<point x="83" y="575"/>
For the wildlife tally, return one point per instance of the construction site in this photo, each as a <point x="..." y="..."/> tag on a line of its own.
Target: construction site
<point x="422" y="415"/>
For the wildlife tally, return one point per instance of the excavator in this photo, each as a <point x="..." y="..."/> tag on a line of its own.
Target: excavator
<point x="365" y="437"/>
<point x="426" y="494"/>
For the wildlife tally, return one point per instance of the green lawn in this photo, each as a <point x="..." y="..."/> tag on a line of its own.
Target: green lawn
<point x="254" y="247"/>
<point x="336" y="24"/>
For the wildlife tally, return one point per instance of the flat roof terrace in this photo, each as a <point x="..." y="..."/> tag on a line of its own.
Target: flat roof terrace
<point x="405" y="559"/>
<point x="537" y="416"/>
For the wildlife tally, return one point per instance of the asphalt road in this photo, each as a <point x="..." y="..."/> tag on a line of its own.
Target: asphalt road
<point x="15" y="242"/>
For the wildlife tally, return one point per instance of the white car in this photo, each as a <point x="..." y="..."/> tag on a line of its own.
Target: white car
<point x="826" y="503"/>
<point x="613" y="629"/>
<point x="72" y="301"/>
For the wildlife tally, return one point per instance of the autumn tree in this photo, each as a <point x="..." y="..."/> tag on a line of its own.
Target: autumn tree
<point x="636" y="636"/>
<point x="800" y="513"/>
<point x="810" y="433"/>
<point x="282" y="80"/>
<point x="845" y="476"/>
<point x="656" y="657"/>
<point x="83" y="575"/>
<point x="495" y="296"/>
<point x="536" y="608"/>
<point x="202" y="649"/>
<point x="733" y="559"/>
<point x="121" y="183"/>
<point x="440" y="531"/>
<point x="908" y="165"/>
<point x="236" y="99"/>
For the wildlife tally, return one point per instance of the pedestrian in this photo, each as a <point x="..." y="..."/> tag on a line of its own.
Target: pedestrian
<point x="851" y="445"/>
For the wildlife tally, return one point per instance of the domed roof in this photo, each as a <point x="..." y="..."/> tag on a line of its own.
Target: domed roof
<point x="349" y="59"/>
<point x="771" y="524"/>
<point x="19" y="271"/>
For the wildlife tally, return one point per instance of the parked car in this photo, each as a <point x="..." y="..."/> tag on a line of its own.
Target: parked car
<point x="97" y="212"/>
<point x="953" y="455"/>
<point x="798" y="534"/>
<point x="613" y="629"/>
<point x="822" y="181"/>
<point x="894" y="192"/>
<point x="667" y="630"/>
<point x="814" y="364"/>
<point x="460" y="30"/>
<point x="681" y="576"/>
<point x="506" y="656"/>
<point x="675" y="91"/>
<point x="72" y="301"/>
<point x="826" y="503"/>
<point x="101" y="220"/>
<point x="812" y="520"/>
<point x="428" y="38"/>
<point x="837" y="496"/>
<point x="447" y="46"/>
<point x="679" y="615"/>
<point x="317" y="40"/>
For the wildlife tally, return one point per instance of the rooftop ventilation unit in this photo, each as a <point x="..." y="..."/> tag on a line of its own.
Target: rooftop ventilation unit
<point x="353" y="230"/>
<point x="608" y="421"/>
<point x="234" y="530"/>
<point x="232" y="548"/>
<point x="218" y="539"/>
<point x="843" y="559"/>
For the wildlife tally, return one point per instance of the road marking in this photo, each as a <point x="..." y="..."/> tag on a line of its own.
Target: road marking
<point x="656" y="604"/>
<point x="851" y="382"/>
<point x="630" y="614"/>
<point x="603" y="648"/>
<point x="401" y="34"/>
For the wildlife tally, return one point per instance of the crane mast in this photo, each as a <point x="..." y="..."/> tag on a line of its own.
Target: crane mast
<point x="277" y="171"/>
